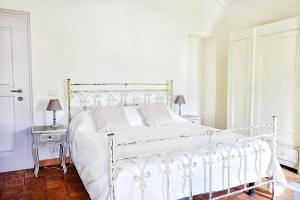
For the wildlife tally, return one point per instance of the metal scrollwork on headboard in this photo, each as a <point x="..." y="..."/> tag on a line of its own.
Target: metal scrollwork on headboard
<point x="82" y="96"/>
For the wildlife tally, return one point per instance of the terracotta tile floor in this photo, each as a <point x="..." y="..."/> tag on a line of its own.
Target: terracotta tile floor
<point x="52" y="184"/>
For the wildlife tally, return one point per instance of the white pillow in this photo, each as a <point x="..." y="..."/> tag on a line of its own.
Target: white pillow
<point x="110" y="117"/>
<point x="175" y="116"/>
<point x="133" y="116"/>
<point x="156" y="114"/>
<point x="83" y="120"/>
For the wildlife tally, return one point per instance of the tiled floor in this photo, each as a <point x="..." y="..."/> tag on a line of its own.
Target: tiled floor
<point x="52" y="184"/>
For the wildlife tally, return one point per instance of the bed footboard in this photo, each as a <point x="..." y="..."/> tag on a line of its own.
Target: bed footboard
<point x="209" y="150"/>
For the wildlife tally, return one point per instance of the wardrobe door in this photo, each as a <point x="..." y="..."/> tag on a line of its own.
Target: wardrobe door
<point x="276" y="81"/>
<point x="239" y="82"/>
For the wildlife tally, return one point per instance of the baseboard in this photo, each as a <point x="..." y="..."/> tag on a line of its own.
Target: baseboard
<point x="49" y="162"/>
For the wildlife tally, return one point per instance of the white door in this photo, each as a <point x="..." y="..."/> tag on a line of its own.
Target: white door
<point x="240" y="81"/>
<point x="276" y="81"/>
<point x="15" y="108"/>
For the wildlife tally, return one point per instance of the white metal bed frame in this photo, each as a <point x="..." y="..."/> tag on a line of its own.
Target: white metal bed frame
<point x="146" y="95"/>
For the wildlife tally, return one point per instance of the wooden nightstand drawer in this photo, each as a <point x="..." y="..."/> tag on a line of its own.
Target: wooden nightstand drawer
<point x="49" y="138"/>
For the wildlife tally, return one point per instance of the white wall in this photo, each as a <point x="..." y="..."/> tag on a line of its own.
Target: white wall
<point x="208" y="77"/>
<point x="220" y="36"/>
<point x="100" y="40"/>
<point x="114" y="41"/>
<point x="194" y="81"/>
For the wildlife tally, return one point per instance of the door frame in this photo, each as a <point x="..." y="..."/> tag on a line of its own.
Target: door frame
<point x="29" y="136"/>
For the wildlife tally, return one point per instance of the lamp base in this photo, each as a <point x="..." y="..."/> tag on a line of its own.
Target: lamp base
<point x="54" y="125"/>
<point x="179" y="109"/>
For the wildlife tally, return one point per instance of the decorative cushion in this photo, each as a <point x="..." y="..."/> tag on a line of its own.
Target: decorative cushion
<point x="109" y="118"/>
<point x="156" y="114"/>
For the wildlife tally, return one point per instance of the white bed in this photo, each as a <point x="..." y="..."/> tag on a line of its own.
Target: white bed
<point x="89" y="150"/>
<point x="174" y="161"/>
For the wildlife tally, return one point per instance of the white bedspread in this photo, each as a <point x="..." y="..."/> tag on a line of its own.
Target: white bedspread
<point x="89" y="150"/>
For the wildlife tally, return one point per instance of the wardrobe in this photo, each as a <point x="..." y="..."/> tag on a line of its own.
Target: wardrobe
<point x="264" y="80"/>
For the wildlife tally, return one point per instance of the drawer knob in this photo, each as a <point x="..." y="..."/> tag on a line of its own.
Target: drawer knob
<point x="49" y="137"/>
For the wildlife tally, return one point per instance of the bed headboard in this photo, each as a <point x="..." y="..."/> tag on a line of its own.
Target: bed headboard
<point x="81" y="96"/>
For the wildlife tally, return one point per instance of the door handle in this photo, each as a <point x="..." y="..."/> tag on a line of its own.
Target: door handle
<point x="17" y="91"/>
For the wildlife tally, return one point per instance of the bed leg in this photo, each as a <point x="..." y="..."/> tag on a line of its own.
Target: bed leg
<point x="111" y="166"/>
<point x="251" y="192"/>
<point x="274" y="184"/>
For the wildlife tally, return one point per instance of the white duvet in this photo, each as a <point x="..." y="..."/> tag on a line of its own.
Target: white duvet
<point x="89" y="150"/>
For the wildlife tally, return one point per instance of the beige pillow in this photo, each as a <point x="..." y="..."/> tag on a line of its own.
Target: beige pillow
<point x="109" y="118"/>
<point x="156" y="114"/>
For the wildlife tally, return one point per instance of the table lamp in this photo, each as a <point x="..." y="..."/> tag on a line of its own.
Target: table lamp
<point x="54" y="105"/>
<point x="179" y="100"/>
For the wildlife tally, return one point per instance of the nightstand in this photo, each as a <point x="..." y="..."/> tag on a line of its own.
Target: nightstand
<point x="195" y="119"/>
<point x="43" y="135"/>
